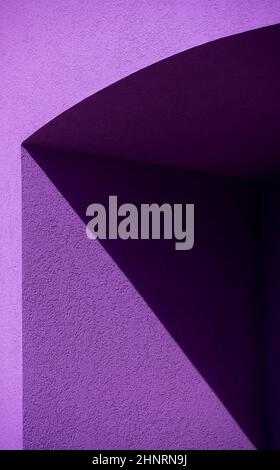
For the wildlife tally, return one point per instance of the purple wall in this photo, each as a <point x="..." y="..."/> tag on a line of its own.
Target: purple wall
<point x="51" y="58"/>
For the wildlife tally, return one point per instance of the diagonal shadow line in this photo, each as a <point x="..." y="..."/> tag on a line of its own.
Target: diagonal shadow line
<point x="169" y="114"/>
<point x="201" y="297"/>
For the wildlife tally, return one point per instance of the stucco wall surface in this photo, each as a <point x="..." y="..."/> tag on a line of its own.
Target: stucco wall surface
<point x="54" y="54"/>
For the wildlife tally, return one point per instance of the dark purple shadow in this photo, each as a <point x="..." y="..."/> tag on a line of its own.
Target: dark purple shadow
<point x="213" y="108"/>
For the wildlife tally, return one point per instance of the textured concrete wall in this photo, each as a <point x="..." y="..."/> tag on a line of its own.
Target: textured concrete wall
<point x="53" y="54"/>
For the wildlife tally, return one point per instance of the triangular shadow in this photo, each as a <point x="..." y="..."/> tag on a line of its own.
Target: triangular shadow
<point x="207" y="298"/>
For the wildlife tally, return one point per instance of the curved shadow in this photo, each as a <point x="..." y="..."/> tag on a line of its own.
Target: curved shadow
<point x="214" y="108"/>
